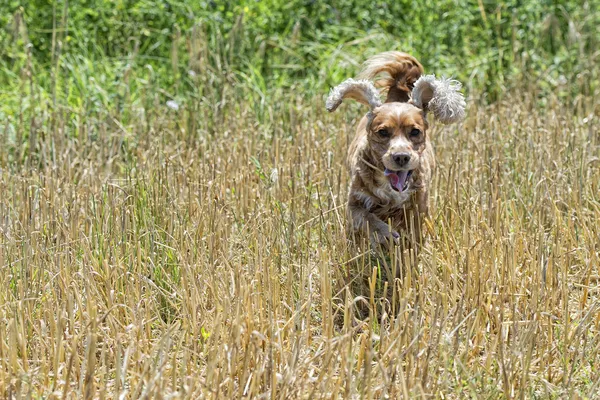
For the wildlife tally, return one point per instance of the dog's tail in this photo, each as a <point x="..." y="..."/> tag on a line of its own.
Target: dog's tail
<point x="397" y="73"/>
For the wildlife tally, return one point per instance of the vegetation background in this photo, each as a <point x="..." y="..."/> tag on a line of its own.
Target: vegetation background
<point x="172" y="214"/>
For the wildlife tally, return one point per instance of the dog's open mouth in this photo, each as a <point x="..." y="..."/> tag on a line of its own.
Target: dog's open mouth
<point x="398" y="179"/>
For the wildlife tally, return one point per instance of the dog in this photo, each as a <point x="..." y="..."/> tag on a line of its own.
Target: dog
<point x="391" y="158"/>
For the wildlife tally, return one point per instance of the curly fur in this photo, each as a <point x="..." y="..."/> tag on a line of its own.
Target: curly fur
<point x="440" y="96"/>
<point x="396" y="73"/>
<point x="376" y="208"/>
<point x="362" y="91"/>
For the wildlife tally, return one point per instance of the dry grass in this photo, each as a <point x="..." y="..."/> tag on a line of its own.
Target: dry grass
<point x="141" y="262"/>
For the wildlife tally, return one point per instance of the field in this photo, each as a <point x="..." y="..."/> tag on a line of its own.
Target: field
<point x="172" y="222"/>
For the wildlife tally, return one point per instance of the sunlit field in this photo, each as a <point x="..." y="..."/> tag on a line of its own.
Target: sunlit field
<point x="189" y="241"/>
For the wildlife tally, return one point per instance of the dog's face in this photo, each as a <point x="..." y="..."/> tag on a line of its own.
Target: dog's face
<point x="396" y="131"/>
<point x="397" y="135"/>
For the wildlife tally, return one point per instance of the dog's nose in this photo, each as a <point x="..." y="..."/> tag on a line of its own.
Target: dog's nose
<point x="401" y="158"/>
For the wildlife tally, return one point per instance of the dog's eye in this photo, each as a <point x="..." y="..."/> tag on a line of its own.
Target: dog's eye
<point x="415" y="132"/>
<point x="383" y="132"/>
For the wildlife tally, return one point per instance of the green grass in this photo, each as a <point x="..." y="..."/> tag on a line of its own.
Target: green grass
<point x="199" y="251"/>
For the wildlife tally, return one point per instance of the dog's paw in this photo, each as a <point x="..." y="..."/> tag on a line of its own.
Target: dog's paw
<point x="385" y="237"/>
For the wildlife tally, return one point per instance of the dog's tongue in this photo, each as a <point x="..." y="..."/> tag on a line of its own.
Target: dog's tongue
<point x="397" y="178"/>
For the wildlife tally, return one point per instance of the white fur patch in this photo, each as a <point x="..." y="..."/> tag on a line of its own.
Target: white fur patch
<point x="390" y="197"/>
<point x="441" y="96"/>
<point x="366" y="200"/>
<point x="362" y="91"/>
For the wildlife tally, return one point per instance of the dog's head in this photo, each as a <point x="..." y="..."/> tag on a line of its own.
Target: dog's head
<point x="397" y="132"/>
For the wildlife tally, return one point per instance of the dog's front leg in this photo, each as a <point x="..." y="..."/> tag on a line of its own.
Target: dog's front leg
<point x="373" y="227"/>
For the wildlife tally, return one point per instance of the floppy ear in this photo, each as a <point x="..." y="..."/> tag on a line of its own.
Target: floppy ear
<point x="360" y="90"/>
<point x="440" y="96"/>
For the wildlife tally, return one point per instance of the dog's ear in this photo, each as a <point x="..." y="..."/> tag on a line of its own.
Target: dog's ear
<point x="440" y="96"/>
<point x="362" y="91"/>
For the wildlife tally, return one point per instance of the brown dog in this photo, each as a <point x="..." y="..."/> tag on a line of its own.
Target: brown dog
<point x="391" y="159"/>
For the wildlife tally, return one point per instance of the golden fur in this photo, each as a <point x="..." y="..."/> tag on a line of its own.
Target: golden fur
<point x="372" y="202"/>
<point x="392" y="141"/>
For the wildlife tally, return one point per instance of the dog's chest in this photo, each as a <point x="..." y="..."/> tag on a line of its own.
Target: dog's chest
<point x="391" y="199"/>
<point x="379" y="197"/>
<point x="398" y="209"/>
